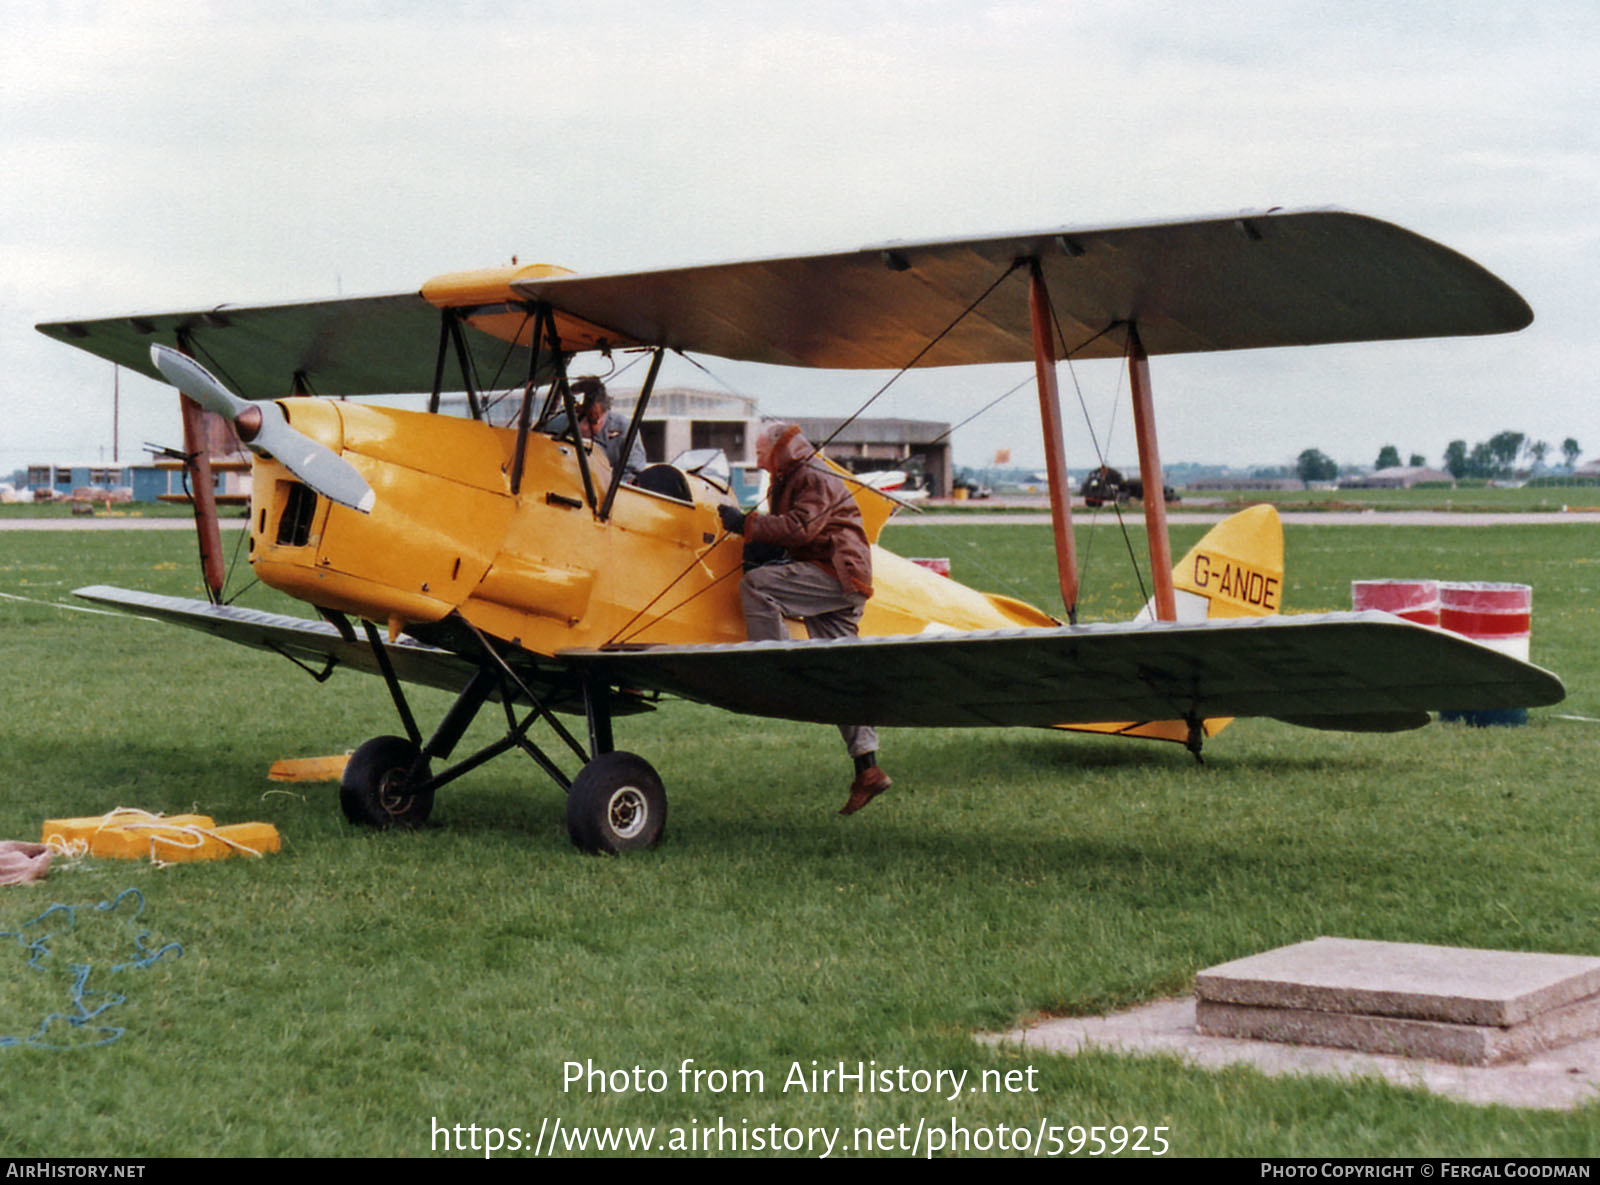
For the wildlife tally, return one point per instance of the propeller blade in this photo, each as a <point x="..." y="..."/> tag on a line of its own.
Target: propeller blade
<point x="315" y="464"/>
<point x="265" y="428"/>
<point x="198" y="383"/>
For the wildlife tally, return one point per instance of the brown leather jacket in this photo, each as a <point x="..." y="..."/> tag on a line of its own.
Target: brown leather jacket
<point x="813" y="515"/>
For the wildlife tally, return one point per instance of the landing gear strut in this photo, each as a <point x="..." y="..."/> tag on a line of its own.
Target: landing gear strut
<point x="615" y="804"/>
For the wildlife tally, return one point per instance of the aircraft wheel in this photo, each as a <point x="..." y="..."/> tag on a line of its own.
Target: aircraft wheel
<point x="616" y="804"/>
<point x="374" y="790"/>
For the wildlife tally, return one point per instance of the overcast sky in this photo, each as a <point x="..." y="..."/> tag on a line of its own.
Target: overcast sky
<point x="173" y="155"/>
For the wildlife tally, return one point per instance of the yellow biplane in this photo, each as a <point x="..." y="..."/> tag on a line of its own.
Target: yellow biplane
<point x="512" y="564"/>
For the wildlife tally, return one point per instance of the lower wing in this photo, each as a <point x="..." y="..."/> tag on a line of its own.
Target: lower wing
<point x="1363" y="671"/>
<point x="1358" y="671"/>
<point x="294" y="637"/>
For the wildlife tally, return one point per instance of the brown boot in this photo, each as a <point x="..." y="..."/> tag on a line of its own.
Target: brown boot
<point x="869" y="783"/>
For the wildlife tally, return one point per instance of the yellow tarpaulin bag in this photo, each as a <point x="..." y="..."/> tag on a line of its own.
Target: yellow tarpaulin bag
<point x="129" y="834"/>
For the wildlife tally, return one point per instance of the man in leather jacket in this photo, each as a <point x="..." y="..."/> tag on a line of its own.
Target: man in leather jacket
<point x="825" y="577"/>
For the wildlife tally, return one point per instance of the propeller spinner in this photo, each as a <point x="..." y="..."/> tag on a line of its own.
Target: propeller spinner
<point x="265" y="428"/>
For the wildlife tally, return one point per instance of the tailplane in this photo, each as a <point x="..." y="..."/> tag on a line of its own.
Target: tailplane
<point x="1236" y="570"/>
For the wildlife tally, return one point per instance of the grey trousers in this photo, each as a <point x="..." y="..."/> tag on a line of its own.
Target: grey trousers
<point x="802" y="589"/>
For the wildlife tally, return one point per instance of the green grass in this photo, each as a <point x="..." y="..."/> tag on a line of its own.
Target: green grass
<point x="1467" y="497"/>
<point x="331" y="999"/>
<point x="63" y="509"/>
<point x="1462" y="499"/>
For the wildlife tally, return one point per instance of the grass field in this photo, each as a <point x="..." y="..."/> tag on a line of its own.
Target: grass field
<point x="1473" y="498"/>
<point x="26" y="510"/>
<point x="337" y="998"/>
<point x="1465" y="498"/>
<point x="1477" y="499"/>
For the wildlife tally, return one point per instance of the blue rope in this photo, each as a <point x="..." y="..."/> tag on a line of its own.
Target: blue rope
<point x="87" y="1005"/>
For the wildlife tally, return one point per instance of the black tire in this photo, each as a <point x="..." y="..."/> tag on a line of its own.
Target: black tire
<point x="616" y="804"/>
<point x="373" y="791"/>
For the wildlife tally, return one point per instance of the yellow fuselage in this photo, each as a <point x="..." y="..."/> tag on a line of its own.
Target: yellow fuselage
<point x="537" y="568"/>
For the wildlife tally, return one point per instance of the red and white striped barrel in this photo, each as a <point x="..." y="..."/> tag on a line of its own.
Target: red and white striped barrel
<point x="1497" y="615"/>
<point x="1414" y="600"/>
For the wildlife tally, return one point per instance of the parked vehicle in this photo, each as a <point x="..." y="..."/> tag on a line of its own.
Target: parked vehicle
<point x="1106" y="484"/>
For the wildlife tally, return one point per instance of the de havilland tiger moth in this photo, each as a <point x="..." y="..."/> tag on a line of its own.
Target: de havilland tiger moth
<point x="513" y="564"/>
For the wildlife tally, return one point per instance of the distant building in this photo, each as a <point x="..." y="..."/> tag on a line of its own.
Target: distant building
<point x="1397" y="477"/>
<point x="684" y="418"/>
<point x="865" y="446"/>
<point x="679" y="419"/>
<point x="1221" y="484"/>
<point x="143" y="482"/>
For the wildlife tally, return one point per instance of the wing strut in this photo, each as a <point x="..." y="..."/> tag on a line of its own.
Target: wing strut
<point x="571" y="408"/>
<point x="1155" y="494"/>
<point x="450" y="335"/>
<point x="464" y="360"/>
<point x="438" y="365"/>
<point x="1044" y="365"/>
<point x="541" y="313"/>
<point x="202" y="491"/>
<point x="640" y="405"/>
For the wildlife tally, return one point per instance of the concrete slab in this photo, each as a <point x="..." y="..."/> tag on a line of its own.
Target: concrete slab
<point x="1561" y="1079"/>
<point x="1404" y="979"/>
<point x="1475" y="1045"/>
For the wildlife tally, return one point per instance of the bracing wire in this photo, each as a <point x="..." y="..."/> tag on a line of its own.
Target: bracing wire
<point x="670" y="585"/>
<point x="816" y="449"/>
<point x="624" y="636"/>
<point x="233" y="564"/>
<point x="1001" y="580"/>
<point x="1122" y="525"/>
<point x="920" y="354"/>
<point x="494" y="381"/>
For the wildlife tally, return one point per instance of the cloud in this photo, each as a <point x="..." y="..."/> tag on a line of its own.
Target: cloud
<point x="172" y="155"/>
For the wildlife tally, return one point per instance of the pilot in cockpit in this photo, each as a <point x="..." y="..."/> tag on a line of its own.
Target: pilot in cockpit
<point x="597" y="422"/>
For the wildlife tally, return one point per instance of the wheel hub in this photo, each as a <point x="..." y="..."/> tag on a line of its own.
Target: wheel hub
<point x="394" y="792"/>
<point x="628" y="811"/>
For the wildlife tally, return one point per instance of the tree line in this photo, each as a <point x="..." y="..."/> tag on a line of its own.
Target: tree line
<point x="1495" y="457"/>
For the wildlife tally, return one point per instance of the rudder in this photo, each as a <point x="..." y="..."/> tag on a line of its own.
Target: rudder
<point x="1236" y="570"/>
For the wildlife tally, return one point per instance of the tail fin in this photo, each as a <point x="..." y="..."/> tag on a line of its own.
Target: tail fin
<point x="1236" y="570"/>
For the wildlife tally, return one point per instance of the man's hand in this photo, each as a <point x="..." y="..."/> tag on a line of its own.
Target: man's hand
<point x="732" y="519"/>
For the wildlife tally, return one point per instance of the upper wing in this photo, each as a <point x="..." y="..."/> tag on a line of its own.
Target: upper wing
<point x="1268" y="279"/>
<point x="1362" y="666"/>
<point x="372" y="345"/>
<point x="1237" y="282"/>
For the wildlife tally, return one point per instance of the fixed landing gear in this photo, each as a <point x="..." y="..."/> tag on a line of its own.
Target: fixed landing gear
<point x="377" y="787"/>
<point x="615" y="804"/>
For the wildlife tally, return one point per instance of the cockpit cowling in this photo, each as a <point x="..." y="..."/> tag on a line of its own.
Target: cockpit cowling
<point x="437" y="523"/>
<point x="539" y="569"/>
